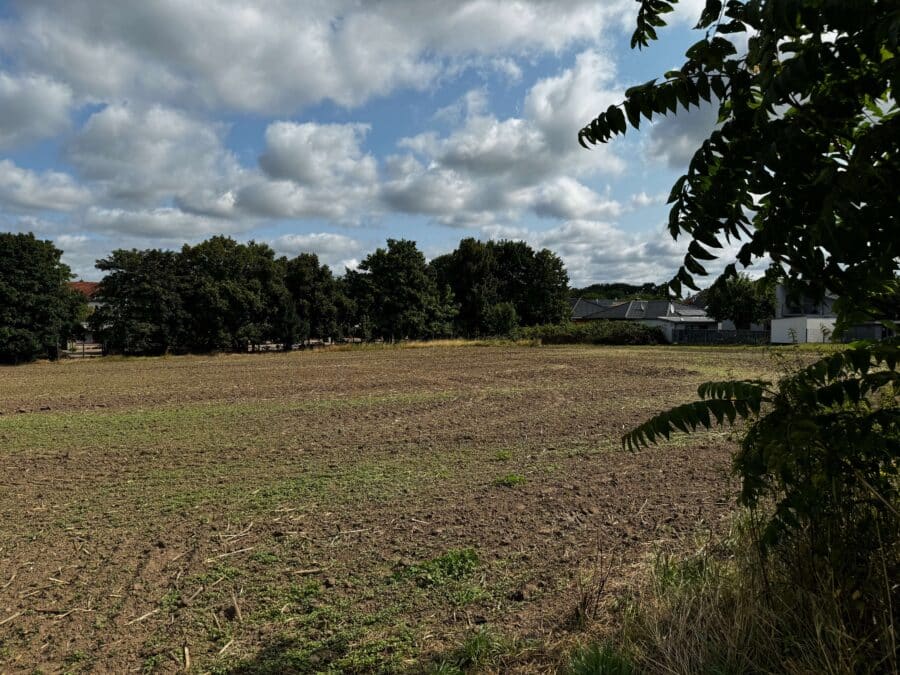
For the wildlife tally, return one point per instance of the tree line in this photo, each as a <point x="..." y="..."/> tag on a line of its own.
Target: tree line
<point x="223" y="295"/>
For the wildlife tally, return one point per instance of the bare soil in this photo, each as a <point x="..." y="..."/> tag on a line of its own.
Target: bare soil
<point x="287" y="512"/>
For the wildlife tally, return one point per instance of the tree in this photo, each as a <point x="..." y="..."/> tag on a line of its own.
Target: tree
<point x="501" y="319"/>
<point x="237" y="296"/>
<point x="38" y="309"/>
<point x="741" y="300"/>
<point x="313" y="292"/>
<point x="803" y="165"/>
<point x="470" y="272"/>
<point x="482" y="275"/>
<point x="396" y="292"/>
<point x="622" y="291"/>
<point x="802" y="168"/>
<point x="141" y="308"/>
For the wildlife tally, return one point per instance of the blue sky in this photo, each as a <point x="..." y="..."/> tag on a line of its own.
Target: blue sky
<point x="330" y="126"/>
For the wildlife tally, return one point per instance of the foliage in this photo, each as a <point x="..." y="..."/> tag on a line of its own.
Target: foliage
<point x="802" y="168"/>
<point x="141" y="308"/>
<point x="484" y="275"/>
<point x="314" y="296"/>
<point x="511" y="480"/>
<point x="599" y="660"/>
<point x="594" y="332"/>
<point x="821" y="453"/>
<point x="741" y="300"/>
<point x="237" y="296"/>
<point x="396" y="294"/>
<point x="803" y="164"/>
<point x="621" y="291"/>
<point x="722" y="609"/>
<point x="454" y="565"/>
<point x="38" y="310"/>
<point x="501" y="319"/>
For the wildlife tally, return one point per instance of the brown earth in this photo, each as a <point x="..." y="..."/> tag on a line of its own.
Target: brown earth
<point x="278" y="512"/>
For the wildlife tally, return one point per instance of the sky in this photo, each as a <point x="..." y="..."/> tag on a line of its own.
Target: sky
<point x="332" y="125"/>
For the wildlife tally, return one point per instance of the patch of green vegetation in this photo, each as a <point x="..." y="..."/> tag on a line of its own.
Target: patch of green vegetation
<point x="502" y="455"/>
<point x="599" y="660"/>
<point x="454" y="565"/>
<point x="152" y="663"/>
<point x="467" y="594"/>
<point x="264" y="557"/>
<point x="479" y="651"/>
<point x="510" y="480"/>
<point x="171" y="600"/>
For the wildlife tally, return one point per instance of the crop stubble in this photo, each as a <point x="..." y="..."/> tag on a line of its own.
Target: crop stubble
<point x="232" y="510"/>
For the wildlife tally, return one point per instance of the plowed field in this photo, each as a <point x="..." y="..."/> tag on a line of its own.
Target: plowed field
<point x="345" y="511"/>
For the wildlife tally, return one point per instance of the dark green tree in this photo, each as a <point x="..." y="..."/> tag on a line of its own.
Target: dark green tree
<point x="38" y="310"/>
<point x="501" y="319"/>
<point x="398" y="294"/>
<point x="314" y="293"/>
<point x="535" y="283"/>
<point x="470" y="272"/>
<point x="237" y="296"/>
<point x="803" y="168"/>
<point x="141" y="307"/>
<point x="741" y="300"/>
<point x="483" y="274"/>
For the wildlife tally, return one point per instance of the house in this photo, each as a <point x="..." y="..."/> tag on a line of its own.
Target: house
<point x="801" y="319"/>
<point x="670" y="317"/>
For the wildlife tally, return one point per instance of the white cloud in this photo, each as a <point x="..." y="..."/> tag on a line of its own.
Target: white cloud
<point x="675" y="139"/>
<point x="143" y="155"/>
<point x="285" y="55"/>
<point x="566" y="198"/>
<point x="163" y="223"/>
<point x="642" y="199"/>
<point x="597" y="251"/>
<point x="48" y="190"/>
<point x="34" y="107"/>
<point x="318" y="154"/>
<point x="335" y="250"/>
<point x="487" y="170"/>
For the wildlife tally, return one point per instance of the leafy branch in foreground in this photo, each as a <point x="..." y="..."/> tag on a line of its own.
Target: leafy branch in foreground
<point x="821" y="449"/>
<point x="804" y="162"/>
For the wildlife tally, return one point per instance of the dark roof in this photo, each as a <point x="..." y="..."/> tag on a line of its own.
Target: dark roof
<point x="648" y="309"/>
<point x="86" y="288"/>
<point x="581" y="307"/>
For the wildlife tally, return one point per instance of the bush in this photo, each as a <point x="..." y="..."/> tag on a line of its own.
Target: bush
<point x="819" y="467"/>
<point x="726" y="609"/>
<point x="594" y="333"/>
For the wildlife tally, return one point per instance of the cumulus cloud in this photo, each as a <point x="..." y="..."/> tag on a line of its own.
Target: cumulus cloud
<point x="34" y="107"/>
<point x="487" y="169"/>
<point x="335" y="250"/>
<point x="642" y="199"/>
<point x="142" y="155"/>
<point x="284" y="55"/>
<point x="48" y="190"/>
<point x="597" y="251"/>
<point x="163" y="223"/>
<point x="317" y="154"/>
<point x="674" y="140"/>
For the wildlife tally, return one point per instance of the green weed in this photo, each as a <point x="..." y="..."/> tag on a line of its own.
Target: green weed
<point x="510" y="480"/>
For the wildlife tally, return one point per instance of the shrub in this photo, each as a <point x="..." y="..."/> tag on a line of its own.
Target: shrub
<point x="594" y="332"/>
<point x="819" y="465"/>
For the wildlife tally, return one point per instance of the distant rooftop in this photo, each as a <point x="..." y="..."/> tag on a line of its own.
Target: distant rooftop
<point x="86" y="288"/>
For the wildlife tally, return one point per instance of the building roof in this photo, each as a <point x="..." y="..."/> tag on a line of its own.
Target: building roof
<point x="636" y="310"/>
<point x="86" y="288"/>
<point x="581" y="307"/>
